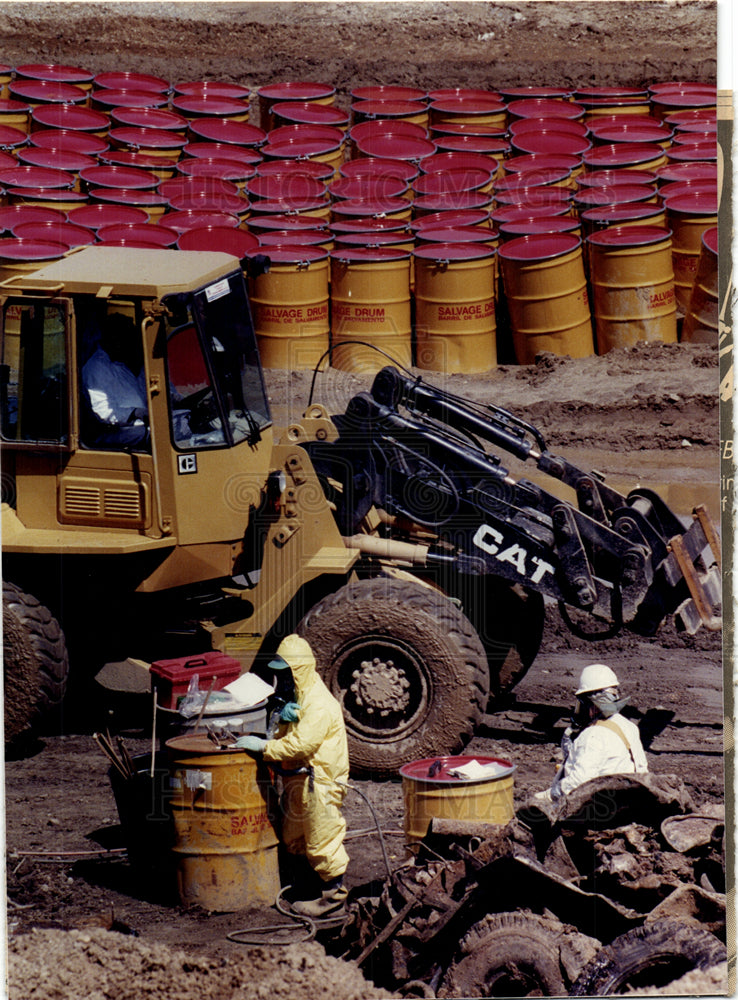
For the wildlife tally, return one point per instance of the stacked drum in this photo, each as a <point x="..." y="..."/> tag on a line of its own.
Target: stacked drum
<point x="440" y="229"/>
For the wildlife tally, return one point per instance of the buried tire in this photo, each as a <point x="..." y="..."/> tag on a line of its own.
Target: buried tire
<point x="36" y="664"/>
<point x="515" y="955"/>
<point x="653" y="955"/>
<point x="407" y="667"/>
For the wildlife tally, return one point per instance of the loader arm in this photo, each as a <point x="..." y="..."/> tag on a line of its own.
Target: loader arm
<point x="415" y="452"/>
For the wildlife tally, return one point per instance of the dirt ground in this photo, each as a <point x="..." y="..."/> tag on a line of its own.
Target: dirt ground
<point x="81" y="920"/>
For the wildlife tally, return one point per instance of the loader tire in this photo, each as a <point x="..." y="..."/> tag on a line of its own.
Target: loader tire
<point x="407" y="667"/>
<point x="507" y="955"/>
<point x="652" y="955"/>
<point x="35" y="661"/>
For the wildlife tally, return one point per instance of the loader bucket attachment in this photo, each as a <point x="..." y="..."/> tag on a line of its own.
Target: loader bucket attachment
<point x="685" y="561"/>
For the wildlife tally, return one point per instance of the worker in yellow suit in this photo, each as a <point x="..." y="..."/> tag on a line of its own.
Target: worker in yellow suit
<point x="312" y="745"/>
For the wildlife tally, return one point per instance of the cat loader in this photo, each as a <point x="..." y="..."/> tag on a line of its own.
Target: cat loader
<point x="391" y="535"/>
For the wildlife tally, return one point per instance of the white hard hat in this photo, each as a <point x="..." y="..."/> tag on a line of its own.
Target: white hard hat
<point x="595" y="677"/>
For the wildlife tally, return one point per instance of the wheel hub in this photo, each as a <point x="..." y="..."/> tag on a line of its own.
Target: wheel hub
<point x="380" y="686"/>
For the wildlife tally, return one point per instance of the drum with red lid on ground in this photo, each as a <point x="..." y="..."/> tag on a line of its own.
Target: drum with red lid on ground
<point x="596" y="107"/>
<point x="160" y="235"/>
<point x="12" y="215"/>
<point x="56" y="232"/>
<point x="213" y="88"/>
<point x="567" y="126"/>
<point x="12" y="139"/>
<point x="210" y="106"/>
<point x="634" y="132"/>
<point x="414" y="112"/>
<point x="322" y="150"/>
<point x="379" y="166"/>
<point x="525" y="163"/>
<point x="57" y="159"/>
<point x="317" y="210"/>
<point x="23" y="255"/>
<point x="54" y="72"/>
<point x="550" y="197"/>
<point x="289" y="304"/>
<point x="369" y="224"/>
<point x="545" y="107"/>
<point x="131" y="178"/>
<point x="187" y="219"/>
<point x="99" y="215"/>
<point x="297" y="238"/>
<point x="689" y="216"/>
<point x="370" y="302"/>
<point x="625" y="155"/>
<point x="632" y="281"/>
<point x="614" y="194"/>
<point x="108" y="100"/>
<point x="37" y="92"/>
<point x="219" y="167"/>
<point x="451" y="219"/>
<point x="606" y="178"/>
<point x="206" y="150"/>
<point x="465" y="93"/>
<point x="454" y="180"/>
<point x="17" y="114"/>
<point x="164" y="143"/>
<point x="390" y="208"/>
<point x="7" y="160"/>
<point x="458" y="159"/>
<point x="153" y="203"/>
<point x="158" y="118"/>
<point x="308" y="113"/>
<point x="693" y="170"/>
<point x="486" y="111"/>
<point x="491" y="147"/>
<point x="291" y="90"/>
<point x="540" y="224"/>
<point x="273" y="187"/>
<point x="663" y="86"/>
<point x="546" y="292"/>
<point x="704" y="152"/>
<point x="681" y="118"/>
<point x="471" y="130"/>
<point x="535" y="92"/>
<point x="691" y="185"/>
<point x="544" y="177"/>
<point x="551" y="139"/>
<point x="388" y="92"/>
<point x="70" y="117"/>
<point x="511" y="213"/>
<point x="451" y="201"/>
<point x="455" y="291"/>
<point x="671" y="101"/>
<point x="622" y="215"/>
<point x="263" y="223"/>
<point x="378" y="186"/>
<point x="163" y="169"/>
<point x="123" y="79"/>
<point x="68" y="140"/>
<point x="701" y="321"/>
<point x="26" y="175"/>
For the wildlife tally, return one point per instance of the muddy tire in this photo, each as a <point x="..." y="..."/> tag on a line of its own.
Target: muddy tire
<point x="508" y="955"/>
<point x="653" y="955"/>
<point x="36" y="664"/>
<point x="407" y="667"/>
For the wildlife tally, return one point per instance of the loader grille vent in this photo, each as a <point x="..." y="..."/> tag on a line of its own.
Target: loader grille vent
<point x="122" y="503"/>
<point x="111" y="502"/>
<point x="83" y="502"/>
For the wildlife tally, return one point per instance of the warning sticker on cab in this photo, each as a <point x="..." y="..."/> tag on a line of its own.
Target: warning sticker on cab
<point x="218" y="290"/>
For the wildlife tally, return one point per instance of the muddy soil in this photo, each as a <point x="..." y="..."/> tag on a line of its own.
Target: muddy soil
<point x="81" y="919"/>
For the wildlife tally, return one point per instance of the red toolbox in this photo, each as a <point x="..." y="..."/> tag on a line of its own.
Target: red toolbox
<point x="171" y="678"/>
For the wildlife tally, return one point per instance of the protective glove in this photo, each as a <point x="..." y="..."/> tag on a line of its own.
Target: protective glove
<point x="138" y="413"/>
<point x="253" y="743"/>
<point x="544" y="796"/>
<point x="290" y="712"/>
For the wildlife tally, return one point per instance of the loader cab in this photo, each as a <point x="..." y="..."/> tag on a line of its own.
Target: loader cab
<point x="131" y="394"/>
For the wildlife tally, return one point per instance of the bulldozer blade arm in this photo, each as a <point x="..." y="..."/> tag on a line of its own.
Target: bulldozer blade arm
<point x="685" y="561"/>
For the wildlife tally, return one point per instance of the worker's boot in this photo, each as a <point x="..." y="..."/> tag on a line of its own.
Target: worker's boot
<point x="331" y="899"/>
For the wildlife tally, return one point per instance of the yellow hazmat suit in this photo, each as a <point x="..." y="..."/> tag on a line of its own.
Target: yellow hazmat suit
<point x="313" y="824"/>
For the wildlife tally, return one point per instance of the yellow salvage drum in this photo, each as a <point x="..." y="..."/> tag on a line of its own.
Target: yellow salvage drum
<point x="701" y="320"/>
<point x="632" y="286"/>
<point x="546" y="292"/>
<point x="290" y="307"/>
<point x="455" y="325"/>
<point x="370" y="302"/>
<point x="223" y="806"/>
<point x="689" y="216"/>
<point x="431" y="791"/>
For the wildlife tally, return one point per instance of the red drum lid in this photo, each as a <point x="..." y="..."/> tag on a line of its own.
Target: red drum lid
<point x="158" y="118"/>
<point x="216" y="166"/>
<point x="55" y="232"/>
<point x="442" y="251"/>
<point x="541" y="177"/>
<point x="61" y="159"/>
<point x="206" y="150"/>
<point x="302" y="168"/>
<point x="374" y="238"/>
<point x="25" y="175"/>
<point x="160" y="235"/>
<point x="68" y="140"/>
<point x="132" y="242"/>
<point x="678" y="100"/>
<point x="292" y="186"/>
<point x="127" y="196"/>
<point x="296" y="90"/>
<point x="710" y="239"/>
<point x="612" y="214"/>
<point x="593" y="103"/>
<point x="697" y="152"/>
<point x="539" y="93"/>
<point x="12" y="138"/>
<point x="527" y="162"/>
<point x="297" y="254"/>
<point x="548" y="196"/>
<point x="213" y="88"/>
<point x="450" y="160"/>
<point x="69" y="116"/>
<point x="53" y="71"/>
<point x="209" y="201"/>
<point x="697" y="203"/>
<point x="551" y="140"/>
<point x="481" y="130"/>
<point x="379" y="166"/>
<point x="629" y="236"/>
<point x="619" y="153"/>
<point x="7" y="160"/>
<point x="123" y="80"/>
<point x="465" y="93"/>
<point x="367" y="224"/>
<point x="542" y="107"/>
<point x="615" y="194"/>
<point x="396" y="146"/>
<point x="10" y="107"/>
<point x="386" y="109"/>
<point x="543" y="224"/>
<point x="565" y="125"/>
<point x="277" y="206"/>
<point x="97" y="216"/>
<point x="514" y="213"/>
<point x="307" y="113"/>
<point x="451" y="220"/>
<point x="208" y="105"/>
<point x="225" y="130"/>
<point x="378" y="186"/>
<point x="703" y="129"/>
<point x="468" y="106"/>
<point x="282" y="221"/>
<point x="194" y="218"/>
<point x="684" y="86"/>
<point x="689" y="186"/>
<point x="693" y="115"/>
<point x="368" y="255"/>
<point x="452" y="181"/>
<point x="388" y="92"/>
<point x="693" y="170"/>
<point x="297" y="148"/>
<point x="451" y="201"/>
<point x="142" y="161"/>
<point x="627" y="132"/>
<point x="132" y="178"/>
<point x="482" y="145"/>
<point x="17" y="250"/>
<point x="151" y="138"/>
<point x="539" y="246"/>
<point x="223" y="239"/>
<point x="197" y="185"/>
<point x="11" y="215"/>
<point x="380" y="127"/>
<point x="601" y="93"/>
<point x="426" y="769"/>
<point x="353" y="207"/>
<point x="300" y="133"/>
<point x="47" y="92"/>
<point x="294" y="237"/>
<point x="456" y="234"/>
<point x="604" y="178"/>
<point x="63" y="195"/>
<point x="128" y="99"/>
